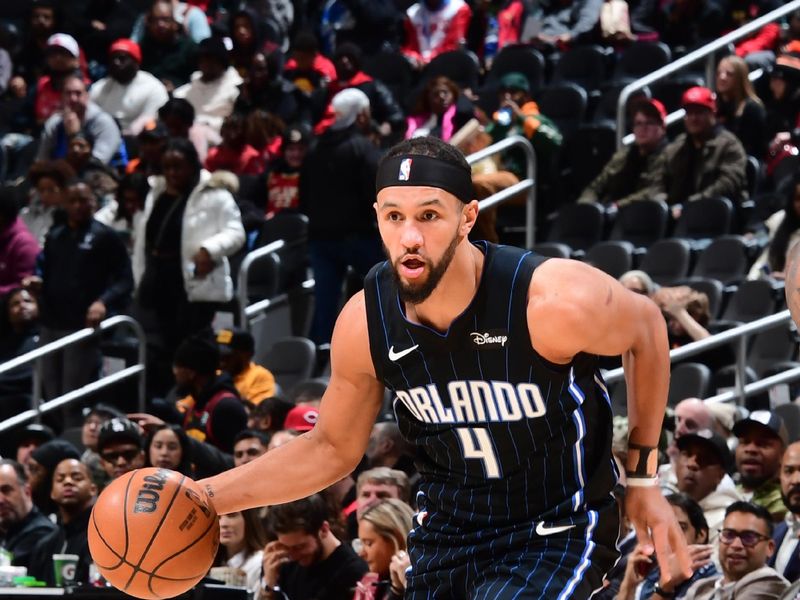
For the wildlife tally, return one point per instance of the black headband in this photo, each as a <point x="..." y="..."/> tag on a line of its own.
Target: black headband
<point x="417" y="170"/>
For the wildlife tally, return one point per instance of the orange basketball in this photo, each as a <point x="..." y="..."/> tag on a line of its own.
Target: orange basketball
<point x="152" y="534"/>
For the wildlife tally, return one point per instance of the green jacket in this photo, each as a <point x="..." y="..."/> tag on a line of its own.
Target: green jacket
<point x="721" y="172"/>
<point x="768" y="495"/>
<point x="600" y="190"/>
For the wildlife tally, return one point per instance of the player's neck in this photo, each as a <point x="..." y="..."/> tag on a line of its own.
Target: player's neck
<point x="455" y="290"/>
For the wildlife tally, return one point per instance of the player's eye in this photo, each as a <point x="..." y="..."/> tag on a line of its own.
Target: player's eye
<point x="429" y="216"/>
<point x="394" y="216"/>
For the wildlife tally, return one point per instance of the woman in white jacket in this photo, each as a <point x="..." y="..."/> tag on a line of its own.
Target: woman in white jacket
<point x="191" y="225"/>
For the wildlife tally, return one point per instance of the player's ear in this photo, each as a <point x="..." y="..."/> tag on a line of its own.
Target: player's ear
<point x="469" y="215"/>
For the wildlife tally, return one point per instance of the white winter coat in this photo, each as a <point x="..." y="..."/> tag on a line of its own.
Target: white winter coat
<point x="212" y="221"/>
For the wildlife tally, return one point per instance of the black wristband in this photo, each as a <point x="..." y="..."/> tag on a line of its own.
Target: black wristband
<point x="641" y="465"/>
<point x="662" y="593"/>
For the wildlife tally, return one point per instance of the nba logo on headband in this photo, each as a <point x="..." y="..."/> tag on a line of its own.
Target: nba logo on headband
<point x="405" y="170"/>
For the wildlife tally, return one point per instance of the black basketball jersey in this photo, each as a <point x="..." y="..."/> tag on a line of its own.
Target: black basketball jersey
<point x="502" y="436"/>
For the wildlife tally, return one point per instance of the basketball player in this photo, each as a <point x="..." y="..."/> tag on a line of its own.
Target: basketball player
<point x="491" y="354"/>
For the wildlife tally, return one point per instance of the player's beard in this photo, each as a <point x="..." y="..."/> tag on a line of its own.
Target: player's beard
<point x="418" y="293"/>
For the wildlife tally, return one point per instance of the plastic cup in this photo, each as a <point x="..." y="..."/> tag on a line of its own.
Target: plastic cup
<point x="64" y="566"/>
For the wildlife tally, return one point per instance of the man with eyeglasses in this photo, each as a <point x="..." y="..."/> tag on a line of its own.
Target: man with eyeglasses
<point x="632" y="171"/>
<point x="745" y="545"/>
<point x="120" y="447"/>
<point x="248" y="445"/>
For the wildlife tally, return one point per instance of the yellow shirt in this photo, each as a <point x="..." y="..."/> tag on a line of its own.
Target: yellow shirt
<point x="255" y="383"/>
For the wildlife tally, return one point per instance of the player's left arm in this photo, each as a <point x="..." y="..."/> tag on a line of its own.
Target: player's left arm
<point x="574" y="308"/>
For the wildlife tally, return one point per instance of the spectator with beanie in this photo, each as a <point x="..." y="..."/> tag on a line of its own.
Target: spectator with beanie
<point x="745" y="545"/>
<point x="85" y="276"/>
<point x="632" y="172"/>
<point x="74" y="492"/>
<point x="21" y="523"/>
<point x="213" y="89"/>
<point x="211" y="406"/>
<point x="41" y="465"/>
<point x="786" y="559"/>
<point x="337" y="191"/>
<point x="762" y="441"/>
<point x="236" y="348"/>
<point x="128" y="94"/>
<point x="121" y="447"/>
<point x="705" y="162"/>
<point x="30" y="438"/>
<point x="283" y="179"/>
<point x="307" y="560"/>
<point x="18" y="247"/>
<point x="433" y="27"/>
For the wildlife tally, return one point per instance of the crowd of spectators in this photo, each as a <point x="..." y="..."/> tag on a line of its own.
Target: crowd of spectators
<point x="145" y="144"/>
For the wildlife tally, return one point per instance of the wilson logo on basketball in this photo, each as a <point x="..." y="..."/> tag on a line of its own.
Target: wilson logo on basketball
<point x="148" y="496"/>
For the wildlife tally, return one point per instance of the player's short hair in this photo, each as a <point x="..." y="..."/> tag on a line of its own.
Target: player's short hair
<point x="753" y="509"/>
<point x="427" y="146"/>
<point x="386" y="476"/>
<point x="307" y="515"/>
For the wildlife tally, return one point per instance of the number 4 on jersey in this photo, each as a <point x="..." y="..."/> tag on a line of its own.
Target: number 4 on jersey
<point x="477" y="444"/>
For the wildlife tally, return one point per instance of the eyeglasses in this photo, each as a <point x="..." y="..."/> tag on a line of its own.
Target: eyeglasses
<point x="749" y="538"/>
<point x="127" y="455"/>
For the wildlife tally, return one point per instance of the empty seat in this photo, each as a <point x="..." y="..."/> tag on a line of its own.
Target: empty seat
<point x="520" y="59"/>
<point x="565" y="104"/>
<point x="772" y="347"/>
<point x="614" y="257"/>
<point x="584" y="65"/>
<point x="553" y="250"/>
<point x="688" y="380"/>
<point x="790" y="413"/>
<point x="460" y="66"/>
<point x="752" y="300"/>
<point x="393" y="70"/>
<point x="579" y="226"/>
<point x="584" y="154"/>
<point x="606" y="110"/>
<point x="724" y="259"/>
<point x="642" y="222"/>
<point x="667" y="261"/>
<point x="704" y="219"/>
<point x="640" y="59"/>
<point x="670" y="91"/>
<point x="292" y="228"/>
<point x="291" y="360"/>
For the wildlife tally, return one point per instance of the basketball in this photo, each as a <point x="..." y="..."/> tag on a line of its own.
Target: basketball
<point x="152" y="534"/>
<point x="792" y="283"/>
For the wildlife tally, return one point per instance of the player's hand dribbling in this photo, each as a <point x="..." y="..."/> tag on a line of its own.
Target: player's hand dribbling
<point x="658" y="531"/>
<point x="275" y="555"/>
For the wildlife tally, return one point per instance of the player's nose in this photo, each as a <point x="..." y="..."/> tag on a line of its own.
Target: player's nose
<point x="411" y="236"/>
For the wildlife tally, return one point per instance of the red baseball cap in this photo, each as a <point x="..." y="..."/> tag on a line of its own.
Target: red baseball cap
<point x="129" y="47"/>
<point x="699" y="96"/>
<point x="301" y="418"/>
<point x="654" y="107"/>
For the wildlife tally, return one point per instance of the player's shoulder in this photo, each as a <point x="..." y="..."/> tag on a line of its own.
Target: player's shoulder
<point x="350" y="341"/>
<point x="564" y="277"/>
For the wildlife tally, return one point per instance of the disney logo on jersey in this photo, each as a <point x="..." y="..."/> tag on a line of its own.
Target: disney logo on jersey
<point x="489" y="339"/>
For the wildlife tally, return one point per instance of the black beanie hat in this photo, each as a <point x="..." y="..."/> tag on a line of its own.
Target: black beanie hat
<point x="53" y="452"/>
<point x="198" y="353"/>
<point x="214" y="47"/>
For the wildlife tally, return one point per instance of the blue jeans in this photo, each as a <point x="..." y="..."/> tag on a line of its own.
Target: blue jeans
<point x="330" y="260"/>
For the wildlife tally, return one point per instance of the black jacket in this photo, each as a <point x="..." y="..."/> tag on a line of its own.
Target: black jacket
<point x="337" y="186"/>
<point x="21" y="538"/>
<point x="331" y="579"/>
<point x="71" y="538"/>
<point x="81" y="266"/>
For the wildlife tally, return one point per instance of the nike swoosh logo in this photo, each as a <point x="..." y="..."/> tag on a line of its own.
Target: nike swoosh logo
<point x="394" y="356"/>
<point x="543" y="531"/>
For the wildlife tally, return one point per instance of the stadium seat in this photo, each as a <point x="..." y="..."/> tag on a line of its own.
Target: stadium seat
<point x="688" y="380"/>
<point x="579" y="226"/>
<point x="754" y="175"/>
<point x="521" y="59"/>
<point x="771" y="347"/>
<point x="670" y="91"/>
<point x="584" y="154"/>
<point x="394" y="70"/>
<point x="705" y="219"/>
<point x="667" y="261"/>
<point x="460" y="66"/>
<point x="553" y="250"/>
<point x="292" y="228"/>
<point x="606" y="110"/>
<point x="752" y="300"/>
<point x="642" y="223"/>
<point x="291" y="360"/>
<point x="584" y="65"/>
<point x="640" y="59"/>
<point x="790" y="413"/>
<point x="565" y="104"/>
<point x="614" y="257"/>
<point x="725" y="259"/>
<point x="713" y="289"/>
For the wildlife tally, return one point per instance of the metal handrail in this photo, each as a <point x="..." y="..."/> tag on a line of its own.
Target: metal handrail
<point x="529" y="183"/>
<point x="706" y="51"/>
<point x="38" y="407"/>
<point x="739" y="335"/>
<point x="242" y="293"/>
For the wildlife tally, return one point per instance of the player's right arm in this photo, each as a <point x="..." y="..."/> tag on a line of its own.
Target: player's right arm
<point x="314" y="460"/>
